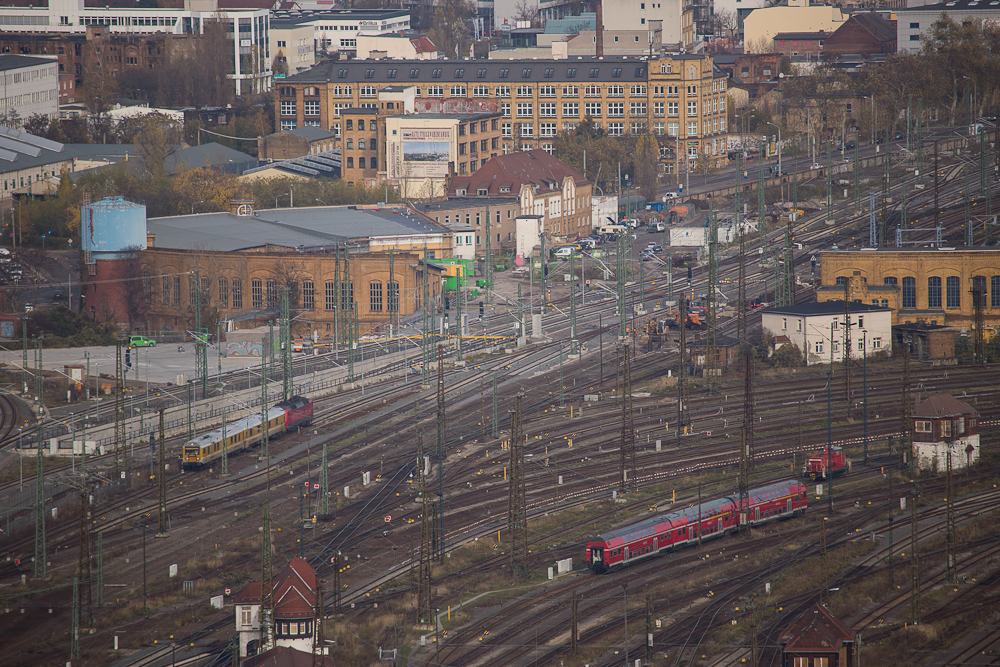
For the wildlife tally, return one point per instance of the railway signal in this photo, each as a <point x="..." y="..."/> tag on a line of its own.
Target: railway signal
<point x="388" y="518"/>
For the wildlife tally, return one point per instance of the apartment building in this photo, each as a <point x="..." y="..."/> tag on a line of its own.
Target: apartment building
<point x="251" y="54"/>
<point x="681" y="96"/>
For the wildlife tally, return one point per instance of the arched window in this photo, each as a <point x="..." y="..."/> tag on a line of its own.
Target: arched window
<point x="237" y="291"/>
<point x="375" y="296"/>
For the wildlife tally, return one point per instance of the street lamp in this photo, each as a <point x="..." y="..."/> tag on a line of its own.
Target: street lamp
<point x="200" y="201"/>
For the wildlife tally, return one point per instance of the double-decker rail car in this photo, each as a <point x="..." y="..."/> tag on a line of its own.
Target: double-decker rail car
<point x="714" y="518"/>
<point x="817" y="466"/>
<point x="242" y="434"/>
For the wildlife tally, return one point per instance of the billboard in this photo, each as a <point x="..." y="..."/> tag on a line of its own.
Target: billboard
<point x="425" y="152"/>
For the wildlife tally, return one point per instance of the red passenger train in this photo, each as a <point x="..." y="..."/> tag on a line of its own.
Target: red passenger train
<point x="646" y="539"/>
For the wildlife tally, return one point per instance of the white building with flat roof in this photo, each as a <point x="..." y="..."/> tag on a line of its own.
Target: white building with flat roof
<point x="251" y="49"/>
<point x="29" y="85"/>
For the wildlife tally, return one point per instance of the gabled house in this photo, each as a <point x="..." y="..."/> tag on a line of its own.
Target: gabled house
<point x="543" y="185"/>
<point x="944" y="424"/>
<point x="294" y="610"/>
<point x="861" y="35"/>
<point x="817" y="638"/>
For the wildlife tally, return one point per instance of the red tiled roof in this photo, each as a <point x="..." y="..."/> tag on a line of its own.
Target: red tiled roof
<point x="817" y="630"/>
<point x="249" y="595"/>
<point x="294" y="591"/>
<point x="284" y="656"/>
<point x="536" y="168"/>
<point x="944" y="405"/>
<point x="423" y="44"/>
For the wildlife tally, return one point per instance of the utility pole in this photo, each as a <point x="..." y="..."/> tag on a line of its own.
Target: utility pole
<point x="100" y="569"/>
<point x="324" y="486"/>
<point x="682" y="416"/>
<point x="914" y="561"/>
<point x="425" y="340"/>
<point x="119" y="412"/>
<point x="741" y="305"/>
<point x="649" y="628"/>
<point x="761" y="211"/>
<point x="847" y="348"/>
<point x="495" y="421"/>
<point x="517" y="509"/>
<point x="200" y="340"/>
<point x="628" y="429"/>
<point x="979" y="318"/>
<point x="285" y="331"/>
<point x="426" y="536"/>
<point x="440" y="449"/>
<point x="161" y="477"/>
<point x="572" y="304"/>
<point x="84" y="568"/>
<point x="266" y="583"/>
<point x="74" y="647"/>
<point x="225" y="445"/>
<point x="574" y="632"/>
<point x="746" y="446"/>
<point x="829" y="183"/>
<point x="265" y="451"/>
<point x="489" y="262"/>
<point x="829" y="442"/>
<point x="622" y="277"/>
<point x="906" y="443"/>
<point x="951" y="565"/>
<point x="41" y="564"/>
<point x="711" y="344"/>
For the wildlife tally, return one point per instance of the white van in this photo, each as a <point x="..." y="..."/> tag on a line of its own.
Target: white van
<point x="564" y="251"/>
<point x="612" y="229"/>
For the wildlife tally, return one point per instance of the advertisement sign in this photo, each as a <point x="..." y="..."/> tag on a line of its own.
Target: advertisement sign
<point x="425" y="152"/>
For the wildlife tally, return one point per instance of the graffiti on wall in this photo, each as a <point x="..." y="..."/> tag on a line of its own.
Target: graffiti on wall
<point x="244" y="349"/>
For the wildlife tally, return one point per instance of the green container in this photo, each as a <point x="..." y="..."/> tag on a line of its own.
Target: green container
<point x="451" y="282"/>
<point x="480" y="283"/>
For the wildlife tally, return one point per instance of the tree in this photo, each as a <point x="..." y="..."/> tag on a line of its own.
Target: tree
<point x="288" y="274"/>
<point x="787" y="356"/>
<point x="211" y="190"/>
<point x="959" y="50"/>
<point x="704" y="164"/>
<point x="36" y="124"/>
<point x="131" y="285"/>
<point x="726" y="22"/>
<point x="525" y="10"/>
<point x="760" y="45"/>
<point x="450" y="32"/>
<point x="156" y="139"/>
<point x="647" y="161"/>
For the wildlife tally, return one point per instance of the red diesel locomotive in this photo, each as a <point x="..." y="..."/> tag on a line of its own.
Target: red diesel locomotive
<point x="817" y="467"/>
<point x="646" y="539"/>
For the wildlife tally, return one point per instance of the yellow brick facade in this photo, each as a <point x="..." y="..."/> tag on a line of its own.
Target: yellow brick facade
<point x="930" y="285"/>
<point x="538" y="98"/>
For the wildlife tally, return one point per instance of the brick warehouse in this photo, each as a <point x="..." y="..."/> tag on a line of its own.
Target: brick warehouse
<point x="920" y="285"/>
<point x="247" y="257"/>
<point x="681" y="98"/>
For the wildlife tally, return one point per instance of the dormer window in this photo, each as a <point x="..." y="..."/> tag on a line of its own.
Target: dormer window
<point x="460" y="192"/>
<point x="505" y="190"/>
<point x="482" y="192"/>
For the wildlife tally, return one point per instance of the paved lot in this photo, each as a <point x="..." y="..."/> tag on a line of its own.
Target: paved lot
<point x="160" y="364"/>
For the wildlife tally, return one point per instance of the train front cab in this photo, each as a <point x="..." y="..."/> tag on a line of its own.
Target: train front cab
<point x="595" y="558"/>
<point x="192" y="457"/>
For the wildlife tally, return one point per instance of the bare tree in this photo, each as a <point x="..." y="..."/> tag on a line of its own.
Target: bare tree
<point x="131" y="286"/>
<point x="760" y="45"/>
<point x="526" y="10"/>
<point x="288" y="274"/>
<point x="726" y="22"/>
